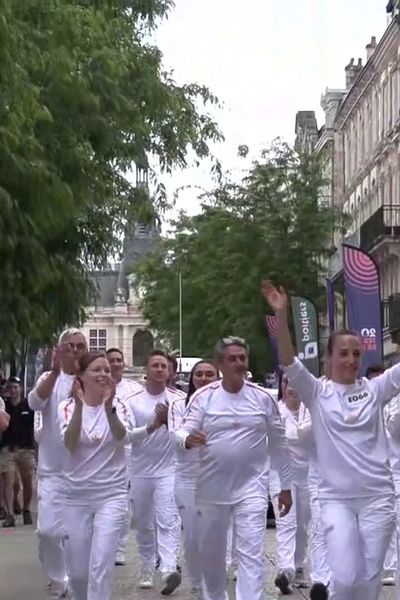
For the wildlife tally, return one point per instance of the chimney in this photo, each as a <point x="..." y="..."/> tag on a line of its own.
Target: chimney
<point x="352" y="71"/>
<point x="371" y="47"/>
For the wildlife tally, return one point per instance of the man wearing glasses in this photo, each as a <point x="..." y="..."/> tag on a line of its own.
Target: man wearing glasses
<point x="52" y="388"/>
<point x="231" y="420"/>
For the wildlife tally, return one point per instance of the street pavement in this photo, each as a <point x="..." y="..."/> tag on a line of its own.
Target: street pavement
<point x="21" y="577"/>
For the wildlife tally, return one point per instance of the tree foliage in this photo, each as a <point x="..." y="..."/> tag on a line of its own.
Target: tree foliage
<point x="83" y="96"/>
<point x="268" y="225"/>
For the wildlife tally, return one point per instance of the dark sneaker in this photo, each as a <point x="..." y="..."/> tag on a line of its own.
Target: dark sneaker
<point x="282" y="583"/>
<point x="27" y="517"/>
<point x="3" y="513"/>
<point x="170" y="582"/>
<point x="299" y="579"/>
<point x="17" y="508"/>
<point x="9" y="521"/>
<point x="319" y="591"/>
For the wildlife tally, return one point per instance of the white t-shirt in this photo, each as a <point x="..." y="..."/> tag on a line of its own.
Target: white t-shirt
<point x="187" y="461"/>
<point x="51" y="451"/>
<point x="298" y="455"/>
<point x="125" y="388"/>
<point x="234" y="461"/>
<point x="96" y="470"/>
<point x="392" y="420"/>
<point x="154" y="454"/>
<point x="349" y="431"/>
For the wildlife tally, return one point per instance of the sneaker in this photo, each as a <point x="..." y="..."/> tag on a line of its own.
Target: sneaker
<point x="17" y="508"/>
<point x="27" y="517"/>
<point x="319" y="591"/>
<point x="388" y="578"/>
<point x="170" y="582"/>
<point x="146" y="580"/>
<point x="58" y="591"/>
<point x="120" y="559"/>
<point x="299" y="579"/>
<point x="9" y="521"/>
<point x="282" y="583"/>
<point x="3" y="513"/>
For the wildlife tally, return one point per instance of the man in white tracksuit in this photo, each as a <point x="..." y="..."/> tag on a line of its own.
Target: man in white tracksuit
<point x="230" y="421"/>
<point x="153" y="477"/>
<point x="52" y="388"/>
<point x="124" y="388"/>
<point x="292" y="530"/>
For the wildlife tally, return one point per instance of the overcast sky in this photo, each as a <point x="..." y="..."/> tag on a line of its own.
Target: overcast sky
<point x="265" y="60"/>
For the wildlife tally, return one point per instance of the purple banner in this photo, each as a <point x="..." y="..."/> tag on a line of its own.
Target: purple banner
<point x="363" y="300"/>
<point x="270" y="321"/>
<point x="330" y="298"/>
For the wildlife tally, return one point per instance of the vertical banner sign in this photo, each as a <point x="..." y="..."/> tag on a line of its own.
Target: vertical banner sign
<point x="270" y="321"/>
<point x="363" y="299"/>
<point x="330" y="297"/>
<point x="306" y="329"/>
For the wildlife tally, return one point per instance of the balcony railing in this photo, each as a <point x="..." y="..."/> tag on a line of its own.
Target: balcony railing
<point x="385" y="222"/>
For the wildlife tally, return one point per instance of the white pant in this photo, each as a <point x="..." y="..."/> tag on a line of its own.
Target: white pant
<point x="50" y="529"/>
<point x="250" y="518"/>
<point x="231" y="558"/>
<point x="319" y="567"/>
<point x="292" y="530"/>
<point x="185" y="501"/>
<point x="357" y="534"/>
<point x="93" y="534"/>
<point x="154" y="503"/>
<point x="123" y="539"/>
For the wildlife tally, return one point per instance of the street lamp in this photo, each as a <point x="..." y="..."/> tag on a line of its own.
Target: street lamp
<point x="180" y="320"/>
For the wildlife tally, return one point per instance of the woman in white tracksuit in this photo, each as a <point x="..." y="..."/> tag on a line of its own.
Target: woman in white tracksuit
<point x="94" y="427"/>
<point x="202" y="373"/>
<point x="356" y="489"/>
<point x="292" y="529"/>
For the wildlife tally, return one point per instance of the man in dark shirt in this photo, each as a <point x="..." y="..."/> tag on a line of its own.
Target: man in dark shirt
<point x="18" y="444"/>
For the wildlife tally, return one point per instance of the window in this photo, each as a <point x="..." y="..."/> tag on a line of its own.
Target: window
<point x="98" y="340"/>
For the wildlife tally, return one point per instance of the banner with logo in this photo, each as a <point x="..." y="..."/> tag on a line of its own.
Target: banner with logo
<point x="305" y="321"/>
<point x="270" y="321"/>
<point x="330" y="298"/>
<point x="363" y="300"/>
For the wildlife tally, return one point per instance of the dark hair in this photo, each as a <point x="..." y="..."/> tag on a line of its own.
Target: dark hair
<point x="111" y="350"/>
<point x="172" y="359"/>
<point x="281" y="375"/>
<point x="14" y="379"/>
<point x="156" y="353"/>
<point x="88" y="358"/>
<point x="333" y="337"/>
<point x="191" y="388"/>
<point x="374" y="370"/>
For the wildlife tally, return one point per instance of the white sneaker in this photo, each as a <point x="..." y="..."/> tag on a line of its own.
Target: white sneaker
<point x="120" y="559"/>
<point x="146" y="580"/>
<point x="388" y="578"/>
<point x="170" y="582"/>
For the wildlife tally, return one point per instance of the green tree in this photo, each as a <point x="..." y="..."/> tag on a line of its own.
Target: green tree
<point x="83" y="97"/>
<point x="270" y="224"/>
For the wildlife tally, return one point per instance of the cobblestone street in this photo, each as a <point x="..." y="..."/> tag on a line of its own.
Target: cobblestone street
<point x="21" y="577"/>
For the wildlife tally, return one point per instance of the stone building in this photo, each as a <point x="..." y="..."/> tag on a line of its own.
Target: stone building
<point x="116" y="320"/>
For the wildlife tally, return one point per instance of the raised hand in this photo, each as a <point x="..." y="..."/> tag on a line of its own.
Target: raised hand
<point x="162" y="413"/>
<point x="109" y="394"/>
<point x="59" y="354"/>
<point x="276" y="297"/>
<point x="77" y="391"/>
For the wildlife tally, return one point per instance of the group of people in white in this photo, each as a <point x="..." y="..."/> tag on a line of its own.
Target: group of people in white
<point x="203" y="465"/>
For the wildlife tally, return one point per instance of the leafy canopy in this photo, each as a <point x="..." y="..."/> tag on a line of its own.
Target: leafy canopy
<point x="270" y="224"/>
<point x="83" y="96"/>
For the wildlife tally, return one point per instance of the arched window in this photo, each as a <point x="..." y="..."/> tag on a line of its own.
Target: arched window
<point x="142" y="345"/>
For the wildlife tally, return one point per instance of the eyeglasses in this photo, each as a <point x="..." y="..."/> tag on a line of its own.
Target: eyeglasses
<point x="232" y="340"/>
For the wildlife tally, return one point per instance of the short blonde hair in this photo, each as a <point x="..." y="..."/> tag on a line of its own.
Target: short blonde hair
<point x="68" y="333"/>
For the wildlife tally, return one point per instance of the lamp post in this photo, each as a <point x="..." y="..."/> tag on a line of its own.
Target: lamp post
<point x="180" y="321"/>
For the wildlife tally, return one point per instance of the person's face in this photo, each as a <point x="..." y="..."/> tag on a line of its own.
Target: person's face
<point x="77" y="348"/>
<point x="117" y="365"/>
<point x="234" y="362"/>
<point x="203" y="374"/>
<point x="345" y="359"/>
<point x="157" y="369"/>
<point x="289" y="396"/>
<point x="171" y="373"/>
<point x="14" y="390"/>
<point x="97" y="376"/>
